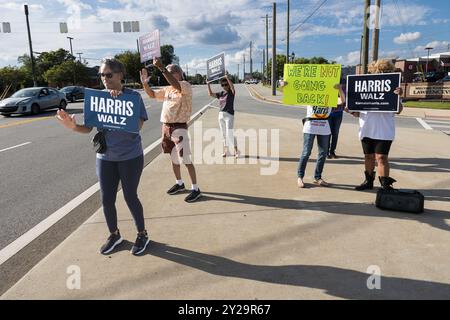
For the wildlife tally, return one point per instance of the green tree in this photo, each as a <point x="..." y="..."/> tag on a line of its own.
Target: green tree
<point x="11" y="76"/>
<point x="63" y="74"/>
<point x="43" y="62"/>
<point x="132" y="62"/>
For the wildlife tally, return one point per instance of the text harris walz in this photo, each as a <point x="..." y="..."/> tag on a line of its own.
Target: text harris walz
<point x="373" y="89"/>
<point x="215" y="66"/>
<point x="112" y="111"/>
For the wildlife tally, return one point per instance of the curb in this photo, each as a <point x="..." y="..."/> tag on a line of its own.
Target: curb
<point x="260" y="97"/>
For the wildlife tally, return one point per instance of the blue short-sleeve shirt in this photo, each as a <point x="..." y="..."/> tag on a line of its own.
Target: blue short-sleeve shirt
<point x="122" y="145"/>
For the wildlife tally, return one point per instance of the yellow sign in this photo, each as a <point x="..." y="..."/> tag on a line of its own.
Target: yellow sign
<point x="311" y="84"/>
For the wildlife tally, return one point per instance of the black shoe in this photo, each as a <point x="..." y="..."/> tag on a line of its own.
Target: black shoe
<point x="176" y="188"/>
<point x="141" y="243"/>
<point x="386" y="183"/>
<point x="193" y="196"/>
<point x="113" y="241"/>
<point x="368" y="183"/>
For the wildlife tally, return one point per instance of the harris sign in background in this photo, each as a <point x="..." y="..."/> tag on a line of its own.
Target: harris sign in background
<point x="150" y="46"/>
<point x="103" y="111"/>
<point x="215" y="67"/>
<point x="373" y="92"/>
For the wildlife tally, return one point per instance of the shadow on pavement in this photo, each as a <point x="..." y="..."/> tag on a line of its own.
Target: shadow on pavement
<point x="338" y="282"/>
<point x="434" y="218"/>
<point x="405" y="164"/>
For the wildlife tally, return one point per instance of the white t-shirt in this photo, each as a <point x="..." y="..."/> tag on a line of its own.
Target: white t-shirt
<point x="319" y="127"/>
<point x="377" y="125"/>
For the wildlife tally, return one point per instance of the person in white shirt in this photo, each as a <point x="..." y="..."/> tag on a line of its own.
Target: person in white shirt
<point x="377" y="132"/>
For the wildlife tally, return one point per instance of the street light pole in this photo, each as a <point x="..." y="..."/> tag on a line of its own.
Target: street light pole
<point x="33" y="71"/>
<point x="428" y="59"/>
<point x="287" y="28"/>
<point x="70" y="40"/>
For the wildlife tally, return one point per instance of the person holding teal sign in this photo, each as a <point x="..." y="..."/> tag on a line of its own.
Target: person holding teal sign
<point x="119" y="159"/>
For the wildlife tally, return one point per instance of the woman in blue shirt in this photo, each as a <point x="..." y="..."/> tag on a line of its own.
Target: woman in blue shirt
<point x="122" y="161"/>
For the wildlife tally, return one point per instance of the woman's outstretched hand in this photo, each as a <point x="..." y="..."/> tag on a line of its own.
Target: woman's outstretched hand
<point x="66" y="120"/>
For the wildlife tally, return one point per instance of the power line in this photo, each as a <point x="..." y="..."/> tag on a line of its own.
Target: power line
<point x="308" y="17"/>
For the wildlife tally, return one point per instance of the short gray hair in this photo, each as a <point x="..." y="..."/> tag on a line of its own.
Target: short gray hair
<point x="177" y="69"/>
<point x="114" y="64"/>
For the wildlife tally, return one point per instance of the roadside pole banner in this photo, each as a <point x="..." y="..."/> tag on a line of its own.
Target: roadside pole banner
<point x="311" y="84"/>
<point x="103" y="111"/>
<point x="150" y="46"/>
<point x="215" y="67"/>
<point x="373" y="92"/>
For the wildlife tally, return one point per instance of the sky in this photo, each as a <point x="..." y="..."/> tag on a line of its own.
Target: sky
<point x="201" y="29"/>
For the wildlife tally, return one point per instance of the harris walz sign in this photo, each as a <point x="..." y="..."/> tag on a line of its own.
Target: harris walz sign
<point x="215" y="67"/>
<point x="373" y="92"/>
<point x="103" y="111"/>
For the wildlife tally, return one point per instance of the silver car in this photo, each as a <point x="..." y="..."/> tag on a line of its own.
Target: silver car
<point x="33" y="101"/>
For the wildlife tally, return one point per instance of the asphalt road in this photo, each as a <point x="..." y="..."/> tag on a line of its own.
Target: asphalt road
<point x="55" y="166"/>
<point x="52" y="165"/>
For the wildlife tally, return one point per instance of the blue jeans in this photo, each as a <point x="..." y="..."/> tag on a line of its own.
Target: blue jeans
<point x="128" y="173"/>
<point x="308" y="143"/>
<point x="335" y="121"/>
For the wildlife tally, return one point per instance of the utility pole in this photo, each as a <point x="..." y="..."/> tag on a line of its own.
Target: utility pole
<point x="238" y="74"/>
<point x="251" y="59"/>
<point x="287" y="32"/>
<point x="274" y="50"/>
<point x="79" y="55"/>
<point x="244" y="67"/>
<point x="33" y="68"/>
<point x="187" y="70"/>
<point x="264" y="64"/>
<point x="376" y="31"/>
<point x="365" y="42"/>
<point x="267" y="47"/>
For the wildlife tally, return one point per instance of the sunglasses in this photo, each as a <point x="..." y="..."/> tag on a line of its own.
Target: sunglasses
<point x="224" y="85"/>
<point x="106" y="75"/>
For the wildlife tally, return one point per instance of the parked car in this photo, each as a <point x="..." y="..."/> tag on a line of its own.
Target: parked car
<point x="444" y="79"/>
<point x="33" y="101"/>
<point x="251" y="81"/>
<point x="434" y="76"/>
<point x="73" y="93"/>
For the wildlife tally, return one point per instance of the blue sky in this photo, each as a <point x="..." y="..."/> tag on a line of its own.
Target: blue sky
<point x="200" y="29"/>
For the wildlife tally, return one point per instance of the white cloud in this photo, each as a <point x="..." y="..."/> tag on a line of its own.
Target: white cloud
<point x="352" y="58"/>
<point x="407" y="37"/>
<point x="436" y="45"/>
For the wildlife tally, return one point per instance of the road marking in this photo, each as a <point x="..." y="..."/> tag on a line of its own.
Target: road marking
<point x="13" y="124"/>
<point x="438" y="122"/>
<point x="273" y="103"/>
<point x="424" y="124"/>
<point x="25" y="239"/>
<point x="19" y="145"/>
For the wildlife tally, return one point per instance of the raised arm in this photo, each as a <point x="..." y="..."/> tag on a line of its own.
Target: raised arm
<point x="169" y="77"/>
<point x="210" y="93"/>
<point x="144" y="80"/>
<point x="231" y="85"/>
<point x="70" y="122"/>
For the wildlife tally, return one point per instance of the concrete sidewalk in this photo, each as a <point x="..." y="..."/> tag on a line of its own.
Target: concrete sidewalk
<point x="260" y="237"/>
<point x="265" y="93"/>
